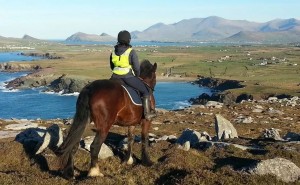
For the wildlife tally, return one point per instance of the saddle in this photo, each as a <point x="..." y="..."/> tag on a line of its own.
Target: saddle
<point x="132" y="93"/>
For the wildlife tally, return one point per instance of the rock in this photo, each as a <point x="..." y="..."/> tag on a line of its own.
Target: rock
<point x="8" y="134"/>
<point x="291" y="136"/>
<point x="272" y="134"/>
<point x="227" y="98"/>
<point x="15" y="66"/>
<point x="186" y="146"/>
<point x="283" y="169"/>
<point x="257" y="110"/>
<point x="30" y="138"/>
<point x="66" y="85"/>
<point x="105" y="151"/>
<point x="193" y="137"/>
<point x="219" y="84"/>
<point x="205" y="137"/>
<point x="272" y="99"/>
<point x="243" y="119"/>
<point x="273" y="111"/>
<point x="244" y="96"/>
<point x="202" y="99"/>
<point x="21" y="126"/>
<point x="214" y="104"/>
<point x="52" y="138"/>
<point x="207" y="144"/>
<point x="224" y="129"/>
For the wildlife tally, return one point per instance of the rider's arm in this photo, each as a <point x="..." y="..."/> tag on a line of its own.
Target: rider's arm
<point x="111" y="64"/>
<point x="135" y="63"/>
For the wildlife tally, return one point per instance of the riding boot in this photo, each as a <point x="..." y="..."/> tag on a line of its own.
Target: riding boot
<point x="147" y="108"/>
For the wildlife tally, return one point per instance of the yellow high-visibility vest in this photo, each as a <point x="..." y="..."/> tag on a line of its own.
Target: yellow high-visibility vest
<point x="121" y="63"/>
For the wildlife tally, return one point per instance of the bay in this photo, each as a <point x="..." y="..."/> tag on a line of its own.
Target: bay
<point x="15" y="56"/>
<point x="34" y="104"/>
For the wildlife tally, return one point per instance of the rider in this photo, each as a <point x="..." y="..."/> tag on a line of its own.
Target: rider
<point x="125" y="65"/>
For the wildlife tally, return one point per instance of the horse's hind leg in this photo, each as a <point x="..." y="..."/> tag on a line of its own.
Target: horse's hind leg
<point x="128" y="157"/>
<point x="95" y="149"/>
<point x="68" y="171"/>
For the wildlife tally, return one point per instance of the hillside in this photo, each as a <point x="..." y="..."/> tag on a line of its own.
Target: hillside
<point x="264" y="37"/>
<point x="267" y="143"/>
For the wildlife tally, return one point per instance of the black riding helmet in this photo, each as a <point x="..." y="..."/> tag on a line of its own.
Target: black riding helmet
<point x="124" y="37"/>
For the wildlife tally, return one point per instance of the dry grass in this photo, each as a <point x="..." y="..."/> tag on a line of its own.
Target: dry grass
<point x="172" y="165"/>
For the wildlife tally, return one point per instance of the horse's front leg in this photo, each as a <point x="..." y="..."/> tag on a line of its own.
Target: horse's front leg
<point x="145" y="143"/>
<point x="128" y="157"/>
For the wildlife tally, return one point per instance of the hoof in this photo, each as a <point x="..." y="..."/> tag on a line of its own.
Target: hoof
<point x="147" y="163"/>
<point x="130" y="161"/>
<point x="68" y="175"/>
<point x="95" y="172"/>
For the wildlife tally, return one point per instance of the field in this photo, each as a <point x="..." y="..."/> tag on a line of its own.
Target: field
<point x="264" y="70"/>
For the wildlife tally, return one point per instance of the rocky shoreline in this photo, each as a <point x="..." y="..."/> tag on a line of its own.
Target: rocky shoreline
<point x="42" y="55"/>
<point x="38" y="77"/>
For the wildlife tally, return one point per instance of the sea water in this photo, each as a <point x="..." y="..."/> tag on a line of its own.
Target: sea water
<point x="33" y="103"/>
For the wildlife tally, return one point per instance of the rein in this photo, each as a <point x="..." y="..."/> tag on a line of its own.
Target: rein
<point x="152" y="89"/>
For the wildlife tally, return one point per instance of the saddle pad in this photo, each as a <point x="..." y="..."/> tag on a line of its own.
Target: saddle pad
<point x="133" y="94"/>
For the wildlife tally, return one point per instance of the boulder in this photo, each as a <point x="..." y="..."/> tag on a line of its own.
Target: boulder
<point x="189" y="135"/>
<point x="224" y="129"/>
<point x="283" y="169"/>
<point x="271" y="134"/>
<point x="105" y="151"/>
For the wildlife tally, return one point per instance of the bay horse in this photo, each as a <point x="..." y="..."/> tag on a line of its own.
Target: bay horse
<point x="106" y="102"/>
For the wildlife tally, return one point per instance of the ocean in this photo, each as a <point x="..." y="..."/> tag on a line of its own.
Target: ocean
<point x="34" y="104"/>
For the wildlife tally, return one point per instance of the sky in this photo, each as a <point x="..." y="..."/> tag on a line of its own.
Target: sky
<point x="59" y="19"/>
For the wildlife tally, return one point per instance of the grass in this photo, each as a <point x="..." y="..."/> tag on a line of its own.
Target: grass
<point x="242" y="63"/>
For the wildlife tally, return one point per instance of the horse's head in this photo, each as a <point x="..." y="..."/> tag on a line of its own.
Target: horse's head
<point x="148" y="73"/>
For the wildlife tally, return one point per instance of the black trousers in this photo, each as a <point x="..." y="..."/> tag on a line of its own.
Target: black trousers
<point x="137" y="84"/>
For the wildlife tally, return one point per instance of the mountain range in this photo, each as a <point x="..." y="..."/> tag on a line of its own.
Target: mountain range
<point x="219" y="29"/>
<point x="209" y="29"/>
<point x="212" y="29"/>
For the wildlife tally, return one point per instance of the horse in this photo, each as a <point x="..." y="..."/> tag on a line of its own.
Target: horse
<point x="106" y="102"/>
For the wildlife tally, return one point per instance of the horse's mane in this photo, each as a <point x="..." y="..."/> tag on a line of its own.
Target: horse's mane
<point x="146" y="69"/>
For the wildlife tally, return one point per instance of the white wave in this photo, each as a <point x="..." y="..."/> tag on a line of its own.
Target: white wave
<point x="10" y="90"/>
<point x="71" y="94"/>
<point x="2" y="85"/>
<point x="61" y="93"/>
<point x="48" y="92"/>
<point x="181" y="105"/>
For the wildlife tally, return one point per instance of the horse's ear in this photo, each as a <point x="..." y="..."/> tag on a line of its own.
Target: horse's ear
<point x="154" y="66"/>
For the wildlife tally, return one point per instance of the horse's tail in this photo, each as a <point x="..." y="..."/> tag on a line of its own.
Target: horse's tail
<point x="80" y="120"/>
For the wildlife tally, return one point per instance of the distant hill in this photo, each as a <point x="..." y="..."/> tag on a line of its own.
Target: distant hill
<point x="265" y="37"/>
<point x="24" y="40"/>
<point x="219" y="29"/>
<point x="79" y="37"/>
<point x="27" y="37"/>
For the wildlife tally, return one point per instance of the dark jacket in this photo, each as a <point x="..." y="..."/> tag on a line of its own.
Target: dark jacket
<point x="133" y="61"/>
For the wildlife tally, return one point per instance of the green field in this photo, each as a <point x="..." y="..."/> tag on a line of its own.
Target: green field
<point x="264" y="69"/>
